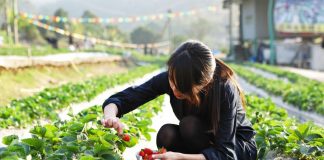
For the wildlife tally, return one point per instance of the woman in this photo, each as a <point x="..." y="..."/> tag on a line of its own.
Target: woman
<point x="207" y="100"/>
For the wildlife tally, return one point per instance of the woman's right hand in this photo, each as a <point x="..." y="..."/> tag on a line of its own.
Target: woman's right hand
<point x="113" y="122"/>
<point x="110" y="120"/>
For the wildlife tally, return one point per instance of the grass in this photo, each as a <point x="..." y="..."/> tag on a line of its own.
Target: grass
<point x="35" y="51"/>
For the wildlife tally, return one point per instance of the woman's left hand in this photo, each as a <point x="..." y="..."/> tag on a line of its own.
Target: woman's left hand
<point x="168" y="156"/>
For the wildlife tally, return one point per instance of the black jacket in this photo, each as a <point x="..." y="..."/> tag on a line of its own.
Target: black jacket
<point x="233" y="124"/>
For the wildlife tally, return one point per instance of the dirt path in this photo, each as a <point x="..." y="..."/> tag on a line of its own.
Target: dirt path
<point x="14" y="62"/>
<point x="316" y="75"/>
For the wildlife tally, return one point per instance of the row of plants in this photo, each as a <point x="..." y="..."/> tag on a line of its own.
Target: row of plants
<point x="285" y="136"/>
<point x="292" y="77"/>
<point x="44" y="104"/>
<point x="83" y="137"/>
<point x="306" y="97"/>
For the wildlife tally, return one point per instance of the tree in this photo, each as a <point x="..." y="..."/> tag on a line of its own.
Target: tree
<point x="90" y="28"/>
<point x="50" y="36"/>
<point x="113" y="33"/>
<point x="30" y="32"/>
<point x="142" y="35"/>
<point x="63" y="25"/>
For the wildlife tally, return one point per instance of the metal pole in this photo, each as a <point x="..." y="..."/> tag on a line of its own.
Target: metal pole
<point x="271" y="32"/>
<point x="16" y="33"/>
<point x="7" y="17"/>
<point x="230" y="30"/>
<point x="170" y="30"/>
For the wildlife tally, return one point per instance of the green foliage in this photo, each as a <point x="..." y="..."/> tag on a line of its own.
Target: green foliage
<point x="60" y="13"/>
<point x="35" y="51"/>
<point x="305" y="94"/>
<point x="143" y="35"/>
<point x="44" y="104"/>
<point x="277" y="132"/>
<point x="83" y="137"/>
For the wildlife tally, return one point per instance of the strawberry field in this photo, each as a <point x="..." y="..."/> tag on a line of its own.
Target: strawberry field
<point x="61" y="60"/>
<point x="83" y="136"/>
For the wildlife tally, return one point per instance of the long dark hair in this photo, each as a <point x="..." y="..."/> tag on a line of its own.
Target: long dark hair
<point x="192" y="65"/>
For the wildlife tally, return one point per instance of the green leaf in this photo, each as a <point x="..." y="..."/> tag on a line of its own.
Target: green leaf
<point x="21" y="149"/>
<point x="77" y="127"/>
<point x="88" y="157"/>
<point x="111" y="137"/>
<point x="299" y="135"/>
<point x="50" y="131"/>
<point x="34" y="142"/>
<point x="313" y="136"/>
<point x="88" y="118"/>
<point x="100" y="149"/>
<point x="69" y="139"/>
<point x="110" y="156"/>
<point x="147" y="136"/>
<point x="9" y="139"/>
<point x="38" y="130"/>
<point x="304" y="149"/>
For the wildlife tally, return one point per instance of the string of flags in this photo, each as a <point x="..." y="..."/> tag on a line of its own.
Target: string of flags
<point x="115" y="20"/>
<point x="97" y="40"/>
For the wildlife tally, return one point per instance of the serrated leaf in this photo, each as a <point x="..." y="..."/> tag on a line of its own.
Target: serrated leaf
<point x="8" y="139"/>
<point x="34" y="142"/>
<point x="88" y="118"/>
<point x="76" y="127"/>
<point x="38" y="130"/>
<point x="69" y="139"/>
<point x="313" y="136"/>
<point x="88" y="157"/>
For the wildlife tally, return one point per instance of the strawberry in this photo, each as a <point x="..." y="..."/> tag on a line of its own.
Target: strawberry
<point x="141" y="153"/>
<point x="148" y="151"/>
<point x="126" y="137"/>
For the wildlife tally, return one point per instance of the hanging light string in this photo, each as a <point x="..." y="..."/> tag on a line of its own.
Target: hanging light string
<point x="116" y="20"/>
<point x="97" y="40"/>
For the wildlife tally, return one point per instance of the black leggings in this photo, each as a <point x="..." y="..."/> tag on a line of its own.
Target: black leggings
<point x="187" y="137"/>
<point x="190" y="137"/>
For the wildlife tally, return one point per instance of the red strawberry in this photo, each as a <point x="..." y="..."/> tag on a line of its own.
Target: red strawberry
<point x="126" y="137"/>
<point x="148" y="151"/>
<point x="141" y="153"/>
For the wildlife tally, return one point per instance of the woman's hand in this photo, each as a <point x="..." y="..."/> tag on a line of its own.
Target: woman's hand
<point x="113" y="122"/>
<point x="110" y="120"/>
<point x="178" y="156"/>
<point x="168" y="156"/>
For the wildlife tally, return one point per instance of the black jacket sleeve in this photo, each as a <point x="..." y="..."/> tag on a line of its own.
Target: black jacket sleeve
<point x="224" y="140"/>
<point x="135" y="96"/>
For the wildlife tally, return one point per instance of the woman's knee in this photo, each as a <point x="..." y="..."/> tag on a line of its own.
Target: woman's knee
<point x="167" y="134"/>
<point x="190" y="126"/>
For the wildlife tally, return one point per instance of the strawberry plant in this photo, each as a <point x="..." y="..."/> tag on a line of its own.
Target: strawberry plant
<point x="306" y="97"/>
<point x="22" y="112"/>
<point x="277" y="132"/>
<point x="83" y="137"/>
